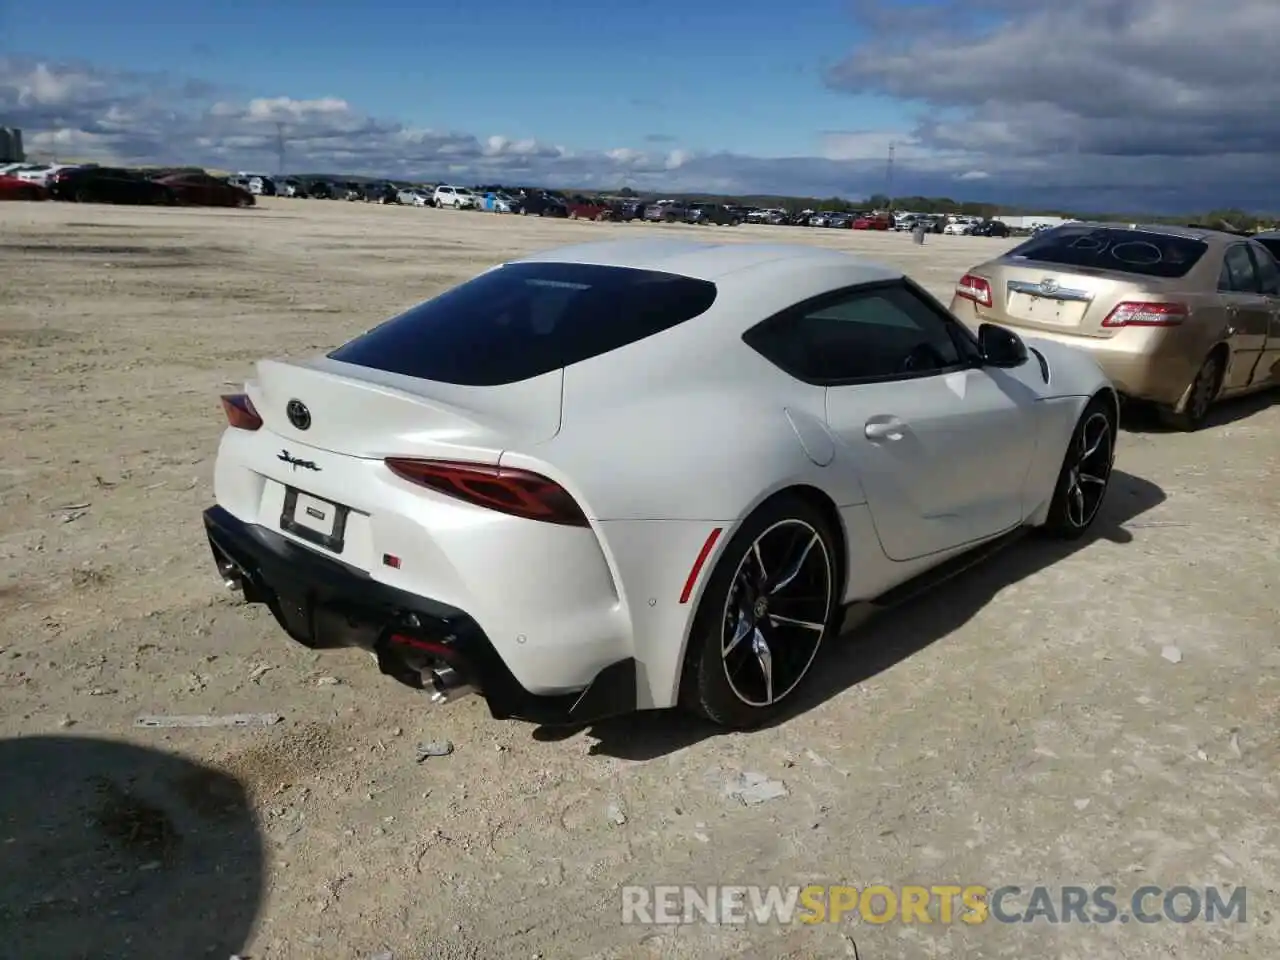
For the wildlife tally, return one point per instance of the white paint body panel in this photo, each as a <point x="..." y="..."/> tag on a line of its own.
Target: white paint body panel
<point x="661" y="443"/>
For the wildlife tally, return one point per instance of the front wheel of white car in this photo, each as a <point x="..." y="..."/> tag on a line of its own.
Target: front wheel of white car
<point x="770" y="603"/>
<point x="1086" y="472"/>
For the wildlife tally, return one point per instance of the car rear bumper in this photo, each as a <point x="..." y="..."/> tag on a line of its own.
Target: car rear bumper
<point x="323" y="603"/>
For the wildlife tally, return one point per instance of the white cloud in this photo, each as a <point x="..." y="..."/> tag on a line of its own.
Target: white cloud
<point x="1152" y="114"/>
<point x="1158" y="98"/>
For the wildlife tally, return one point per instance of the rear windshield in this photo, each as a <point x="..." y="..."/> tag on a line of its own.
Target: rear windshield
<point x="526" y="319"/>
<point x="1138" y="252"/>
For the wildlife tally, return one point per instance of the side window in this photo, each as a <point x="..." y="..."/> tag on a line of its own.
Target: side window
<point x="1238" y="275"/>
<point x="876" y="333"/>
<point x="1268" y="270"/>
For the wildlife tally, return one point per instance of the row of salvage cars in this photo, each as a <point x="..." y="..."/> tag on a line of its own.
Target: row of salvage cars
<point x="821" y="435"/>
<point x="91" y="183"/>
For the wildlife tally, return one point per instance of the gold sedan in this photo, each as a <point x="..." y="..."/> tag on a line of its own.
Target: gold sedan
<point x="1179" y="317"/>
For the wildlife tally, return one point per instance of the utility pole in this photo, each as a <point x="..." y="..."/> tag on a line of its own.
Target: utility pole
<point x="279" y="149"/>
<point x="888" y="188"/>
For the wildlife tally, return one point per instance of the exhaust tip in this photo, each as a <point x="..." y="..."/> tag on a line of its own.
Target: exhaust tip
<point x="448" y="685"/>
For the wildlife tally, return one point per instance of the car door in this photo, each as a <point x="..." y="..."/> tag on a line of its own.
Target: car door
<point x="941" y="445"/>
<point x="1248" y="314"/>
<point x="1267" y="370"/>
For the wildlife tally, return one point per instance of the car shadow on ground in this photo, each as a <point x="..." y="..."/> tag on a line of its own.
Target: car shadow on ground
<point x="1141" y="418"/>
<point x="115" y="851"/>
<point x="890" y="636"/>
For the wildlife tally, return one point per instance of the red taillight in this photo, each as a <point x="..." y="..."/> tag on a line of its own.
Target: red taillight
<point x="240" y="412"/>
<point x="1135" y="314"/>
<point x="974" y="288"/>
<point x="519" y="493"/>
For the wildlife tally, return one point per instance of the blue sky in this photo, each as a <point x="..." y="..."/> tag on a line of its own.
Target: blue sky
<point x="983" y="99"/>
<point x="737" y="75"/>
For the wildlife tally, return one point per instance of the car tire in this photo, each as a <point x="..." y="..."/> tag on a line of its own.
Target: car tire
<point x="782" y="557"/>
<point x="1203" y="391"/>
<point x="1085" y="476"/>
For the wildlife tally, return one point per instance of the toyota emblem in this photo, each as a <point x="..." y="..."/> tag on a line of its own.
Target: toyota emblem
<point x="298" y="414"/>
<point x="1048" y="286"/>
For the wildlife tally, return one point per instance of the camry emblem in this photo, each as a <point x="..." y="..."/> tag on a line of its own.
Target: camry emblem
<point x="1049" y="286"/>
<point x="298" y="414"/>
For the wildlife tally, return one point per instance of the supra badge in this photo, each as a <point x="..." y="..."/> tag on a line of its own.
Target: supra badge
<point x="294" y="462"/>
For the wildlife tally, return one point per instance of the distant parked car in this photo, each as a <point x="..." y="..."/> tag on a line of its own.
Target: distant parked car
<point x="872" y="222"/>
<point x="628" y="210"/>
<point x="712" y="213"/>
<point x="108" y="185"/>
<point x="414" y="198"/>
<point x="380" y="193"/>
<point x="991" y="228"/>
<point x="203" y="190"/>
<point x="539" y="204"/>
<point x="44" y="174"/>
<point x="495" y="201"/>
<point x="588" y="208"/>
<point x="321" y="190"/>
<point x="672" y="211"/>
<point x="256" y="184"/>
<point x="456" y="198"/>
<point x="12" y="188"/>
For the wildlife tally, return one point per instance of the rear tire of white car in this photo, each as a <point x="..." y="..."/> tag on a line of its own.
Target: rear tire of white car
<point x="768" y="606"/>
<point x="1086" y="473"/>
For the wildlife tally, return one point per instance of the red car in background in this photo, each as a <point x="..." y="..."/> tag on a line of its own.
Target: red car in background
<point x="584" y="208"/>
<point x="11" y="188"/>
<point x="873" y="223"/>
<point x="203" y="190"/>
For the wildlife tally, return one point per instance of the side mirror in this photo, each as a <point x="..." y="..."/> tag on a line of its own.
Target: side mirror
<point x="1001" y="347"/>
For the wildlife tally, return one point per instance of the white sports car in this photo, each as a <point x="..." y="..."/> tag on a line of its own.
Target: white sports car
<point x="645" y="473"/>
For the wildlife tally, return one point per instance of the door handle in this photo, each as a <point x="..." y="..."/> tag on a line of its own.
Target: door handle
<point x="884" y="428"/>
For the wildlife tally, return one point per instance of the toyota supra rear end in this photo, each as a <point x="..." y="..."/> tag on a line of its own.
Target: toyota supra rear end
<point x="641" y="474"/>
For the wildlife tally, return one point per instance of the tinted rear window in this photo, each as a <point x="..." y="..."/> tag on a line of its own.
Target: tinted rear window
<point x="1128" y="251"/>
<point x="1272" y="244"/>
<point x="527" y="319"/>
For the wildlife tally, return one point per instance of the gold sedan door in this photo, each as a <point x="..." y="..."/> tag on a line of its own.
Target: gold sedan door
<point x="1267" y="372"/>
<point x="1248" y="316"/>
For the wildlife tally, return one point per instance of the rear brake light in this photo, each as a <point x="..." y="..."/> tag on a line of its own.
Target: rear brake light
<point x="1132" y="314"/>
<point x="240" y="412"/>
<point x="974" y="288"/>
<point x="518" y="493"/>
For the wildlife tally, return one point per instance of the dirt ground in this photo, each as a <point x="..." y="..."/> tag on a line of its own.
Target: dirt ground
<point x="1019" y="727"/>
